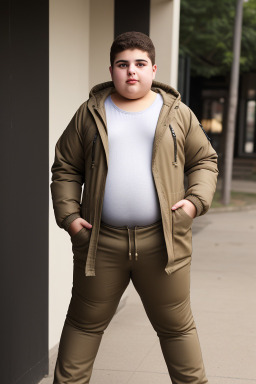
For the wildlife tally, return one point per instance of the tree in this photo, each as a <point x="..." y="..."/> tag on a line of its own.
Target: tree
<point x="206" y="35"/>
<point x="233" y="98"/>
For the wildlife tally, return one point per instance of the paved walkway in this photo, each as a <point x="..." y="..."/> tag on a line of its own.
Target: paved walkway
<point x="223" y="292"/>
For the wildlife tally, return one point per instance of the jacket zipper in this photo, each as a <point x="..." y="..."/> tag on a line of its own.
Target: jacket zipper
<point x="175" y="146"/>
<point x="93" y="149"/>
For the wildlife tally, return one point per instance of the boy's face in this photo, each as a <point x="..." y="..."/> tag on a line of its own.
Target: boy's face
<point x="132" y="73"/>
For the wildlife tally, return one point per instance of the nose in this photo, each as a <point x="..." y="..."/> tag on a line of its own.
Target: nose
<point x="131" y="69"/>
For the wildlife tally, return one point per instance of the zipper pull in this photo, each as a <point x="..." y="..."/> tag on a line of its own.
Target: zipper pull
<point x="175" y="146"/>
<point x="93" y="149"/>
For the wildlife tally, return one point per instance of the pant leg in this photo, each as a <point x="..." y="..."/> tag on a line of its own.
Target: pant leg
<point x="166" y="299"/>
<point x="93" y="304"/>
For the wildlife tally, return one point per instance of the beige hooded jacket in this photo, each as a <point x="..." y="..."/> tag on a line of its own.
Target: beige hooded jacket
<point x="180" y="147"/>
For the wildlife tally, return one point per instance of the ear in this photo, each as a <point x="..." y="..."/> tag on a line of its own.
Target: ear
<point x="111" y="72"/>
<point x="154" y="67"/>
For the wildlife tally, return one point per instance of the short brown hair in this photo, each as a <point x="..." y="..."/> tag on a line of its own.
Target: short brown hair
<point x="132" y="40"/>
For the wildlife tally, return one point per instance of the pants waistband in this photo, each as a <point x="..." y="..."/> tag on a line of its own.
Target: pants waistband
<point x="125" y="227"/>
<point x="132" y="234"/>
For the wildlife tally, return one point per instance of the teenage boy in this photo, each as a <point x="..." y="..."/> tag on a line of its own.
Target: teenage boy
<point x="129" y="146"/>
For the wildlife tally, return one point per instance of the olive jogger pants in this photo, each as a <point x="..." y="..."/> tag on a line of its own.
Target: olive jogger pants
<point x="139" y="255"/>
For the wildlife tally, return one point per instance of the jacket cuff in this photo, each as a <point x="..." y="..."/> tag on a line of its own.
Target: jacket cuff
<point x="197" y="203"/>
<point x="66" y="222"/>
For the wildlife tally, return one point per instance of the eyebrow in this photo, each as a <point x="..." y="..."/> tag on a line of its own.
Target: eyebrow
<point x="127" y="61"/>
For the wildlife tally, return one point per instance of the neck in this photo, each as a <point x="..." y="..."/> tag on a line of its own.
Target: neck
<point x="133" y="105"/>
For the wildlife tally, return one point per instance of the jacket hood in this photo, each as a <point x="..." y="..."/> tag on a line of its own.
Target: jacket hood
<point x="101" y="91"/>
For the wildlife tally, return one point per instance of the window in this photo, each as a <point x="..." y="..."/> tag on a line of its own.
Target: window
<point x="250" y="120"/>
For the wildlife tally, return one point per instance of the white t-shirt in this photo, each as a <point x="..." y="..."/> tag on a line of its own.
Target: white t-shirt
<point x="130" y="194"/>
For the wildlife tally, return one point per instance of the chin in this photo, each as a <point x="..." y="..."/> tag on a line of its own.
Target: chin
<point x="134" y="95"/>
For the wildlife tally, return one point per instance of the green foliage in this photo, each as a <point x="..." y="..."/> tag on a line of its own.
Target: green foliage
<point x="206" y="35"/>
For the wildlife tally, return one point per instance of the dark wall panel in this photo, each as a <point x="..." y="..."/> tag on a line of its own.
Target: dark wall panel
<point x="24" y="190"/>
<point x="132" y="16"/>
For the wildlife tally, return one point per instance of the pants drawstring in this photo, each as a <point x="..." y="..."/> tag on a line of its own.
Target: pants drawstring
<point x="130" y="244"/>
<point x="135" y="245"/>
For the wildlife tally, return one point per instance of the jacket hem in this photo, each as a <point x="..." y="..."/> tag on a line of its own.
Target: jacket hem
<point x="177" y="265"/>
<point x="90" y="273"/>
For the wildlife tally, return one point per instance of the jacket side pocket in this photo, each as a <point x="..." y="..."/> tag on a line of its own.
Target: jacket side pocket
<point x="182" y="234"/>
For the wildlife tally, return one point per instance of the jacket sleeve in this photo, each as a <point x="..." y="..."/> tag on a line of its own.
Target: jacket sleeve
<point x="200" y="167"/>
<point x="68" y="173"/>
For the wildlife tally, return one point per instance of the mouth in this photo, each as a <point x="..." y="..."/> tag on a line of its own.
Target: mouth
<point x="131" y="81"/>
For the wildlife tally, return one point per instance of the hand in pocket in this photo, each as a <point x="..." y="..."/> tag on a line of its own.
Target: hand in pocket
<point x="187" y="206"/>
<point x="77" y="225"/>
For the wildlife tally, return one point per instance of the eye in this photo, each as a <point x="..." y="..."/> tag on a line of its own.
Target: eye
<point x="140" y="64"/>
<point x="122" y="65"/>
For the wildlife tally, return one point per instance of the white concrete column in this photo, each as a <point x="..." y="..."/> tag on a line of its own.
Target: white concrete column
<point x="81" y="33"/>
<point x="164" y="32"/>
<point x="69" y="87"/>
